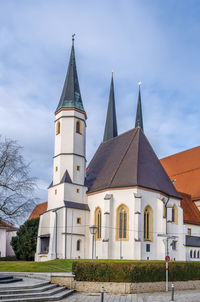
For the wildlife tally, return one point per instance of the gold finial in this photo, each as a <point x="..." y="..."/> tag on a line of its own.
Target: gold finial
<point x="73" y="38"/>
<point x="139" y="83"/>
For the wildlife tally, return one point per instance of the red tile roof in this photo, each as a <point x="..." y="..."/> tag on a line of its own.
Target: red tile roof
<point x="190" y="212"/>
<point x="38" y="210"/>
<point x="7" y="226"/>
<point x="185" y="168"/>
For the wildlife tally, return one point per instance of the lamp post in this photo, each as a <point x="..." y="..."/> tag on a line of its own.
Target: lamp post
<point x="93" y="230"/>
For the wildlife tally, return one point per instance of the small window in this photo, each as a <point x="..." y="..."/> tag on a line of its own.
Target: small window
<point x="57" y="127"/>
<point x="190" y="253"/>
<point x="78" y="127"/>
<point x="78" y="220"/>
<point x="44" y="245"/>
<point x="147" y="247"/>
<point x="194" y="254"/>
<point x="56" y="168"/>
<point x="173" y="244"/>
<point x="78" y="168"/>
<point x="77" y="190"/>
<point x="189" y="232"/>
<point x="55" y="191"/>
<point x="78" y="245"/>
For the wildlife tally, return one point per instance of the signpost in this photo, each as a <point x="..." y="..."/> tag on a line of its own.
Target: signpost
<point x="167" y="258"/>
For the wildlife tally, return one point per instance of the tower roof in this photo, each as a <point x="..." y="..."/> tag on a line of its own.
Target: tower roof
<point x="139" y="120"/>
<point x="71" y="95"/>
<point x="111" y="120"/>
<point x="128" y="160"/>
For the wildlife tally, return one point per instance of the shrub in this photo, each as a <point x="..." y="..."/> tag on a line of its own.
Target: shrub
<point x="24" y="244"/>
<point x="140" y="271"/>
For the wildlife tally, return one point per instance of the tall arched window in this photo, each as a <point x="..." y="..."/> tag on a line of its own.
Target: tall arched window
<point x="97" y="222"/>
<point x="122" y="223"/>
<point x="194" y="254"/>
<point x="58" y="127"/>
<point x="175" y="214"/>
<point x="148" y="224"/>
<point x="190" y="253"/>
<point x="198" y="254"/>
<point x="78" y="245"/>
<point x="78" y="127"/>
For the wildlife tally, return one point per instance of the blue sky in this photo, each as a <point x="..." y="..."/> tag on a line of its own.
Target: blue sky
<point x="153" y="41"/>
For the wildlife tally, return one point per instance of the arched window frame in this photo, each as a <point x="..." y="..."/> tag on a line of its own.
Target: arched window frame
<point x="78" y="245"/>
<point x="98" y="222"/>
<point x="122" y="223"/>
<point x="57" y="127"/>
<point x="148" y="223"/>
<point x="175" y="214"/>
<point x="78" y="127"/>
<point x="194" y="254"/>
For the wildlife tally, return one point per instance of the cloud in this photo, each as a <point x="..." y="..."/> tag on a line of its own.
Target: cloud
<point x="140" y="40"/>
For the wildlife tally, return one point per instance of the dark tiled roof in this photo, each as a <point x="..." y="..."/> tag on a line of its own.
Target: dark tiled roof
<point x="77" y="205"/>
<point x="38" y="210"/>
<point x="193" y="241"/>
<point x="111" y="120"/>
<point x="128" y="160"/>
<point x="185" y="168"/>
<point x="190" y="212"/>
<point x="71" y="95"/>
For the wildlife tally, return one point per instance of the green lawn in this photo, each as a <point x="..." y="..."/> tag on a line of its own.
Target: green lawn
<point x="57" y="265"/>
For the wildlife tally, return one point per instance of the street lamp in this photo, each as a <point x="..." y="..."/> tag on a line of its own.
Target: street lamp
<point x="93" y="230"/>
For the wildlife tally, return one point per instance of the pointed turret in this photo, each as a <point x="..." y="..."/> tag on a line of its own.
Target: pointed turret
<point x="71" y="95"/>
<point x="111" y="120"/>
<point x="139" y="120"/>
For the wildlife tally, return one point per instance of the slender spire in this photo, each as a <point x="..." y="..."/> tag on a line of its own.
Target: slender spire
<point x="111" y="120"/>
<point x="139" y="120"/>
<point x="71" y="95"/>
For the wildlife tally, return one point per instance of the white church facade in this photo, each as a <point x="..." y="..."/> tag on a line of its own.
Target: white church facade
<point x="125" y="192"/>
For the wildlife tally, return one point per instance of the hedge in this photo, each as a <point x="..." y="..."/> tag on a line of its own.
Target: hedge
<point x="135" y="271"/>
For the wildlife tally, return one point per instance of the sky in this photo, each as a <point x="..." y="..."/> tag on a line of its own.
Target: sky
<point x="153" y="41"/>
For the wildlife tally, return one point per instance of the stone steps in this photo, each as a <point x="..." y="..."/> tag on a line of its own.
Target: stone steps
<point x="37" y="292"/>
<point x="25" y="290"/>
<point x="8" y="279"/>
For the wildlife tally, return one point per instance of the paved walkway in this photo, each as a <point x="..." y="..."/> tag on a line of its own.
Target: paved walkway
<point x="184" y="296"/>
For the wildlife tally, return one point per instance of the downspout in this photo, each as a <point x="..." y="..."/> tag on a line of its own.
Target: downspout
<point x="66" y="233"/>
<point x="56" y="235"/>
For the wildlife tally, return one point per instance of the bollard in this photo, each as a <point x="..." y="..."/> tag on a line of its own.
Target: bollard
<point x="102" y="294"/>
<point x="172" y="291"/>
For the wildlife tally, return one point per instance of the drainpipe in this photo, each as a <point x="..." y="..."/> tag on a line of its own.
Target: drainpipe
<point x="56" y="234"/>
<point x="66" y="233"/>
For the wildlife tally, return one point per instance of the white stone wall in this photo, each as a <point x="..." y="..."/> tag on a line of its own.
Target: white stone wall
<point x="9" y="249"/>
<point x="135" y="248"/>
<point x="3" y="242"/>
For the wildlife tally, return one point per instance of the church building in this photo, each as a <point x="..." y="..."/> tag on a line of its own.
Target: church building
<point x="124" y="204"/>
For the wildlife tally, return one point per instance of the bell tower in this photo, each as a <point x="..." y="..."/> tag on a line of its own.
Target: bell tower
<point x="70" y="130"/>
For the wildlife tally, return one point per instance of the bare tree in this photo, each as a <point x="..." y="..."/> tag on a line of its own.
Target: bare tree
<point x="16" y="186"/>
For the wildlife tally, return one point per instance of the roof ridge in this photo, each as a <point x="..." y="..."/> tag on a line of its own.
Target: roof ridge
<point x="128" y="147"/>
<point x="186" y="171"/>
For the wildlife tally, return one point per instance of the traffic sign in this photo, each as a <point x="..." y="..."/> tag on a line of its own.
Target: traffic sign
<point x="167" y="259"/>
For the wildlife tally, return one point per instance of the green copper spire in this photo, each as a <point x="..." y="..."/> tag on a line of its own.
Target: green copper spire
<point x="111" y="121"/>
<point x="139" y="120"/>
<point x="71" y="95"/>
